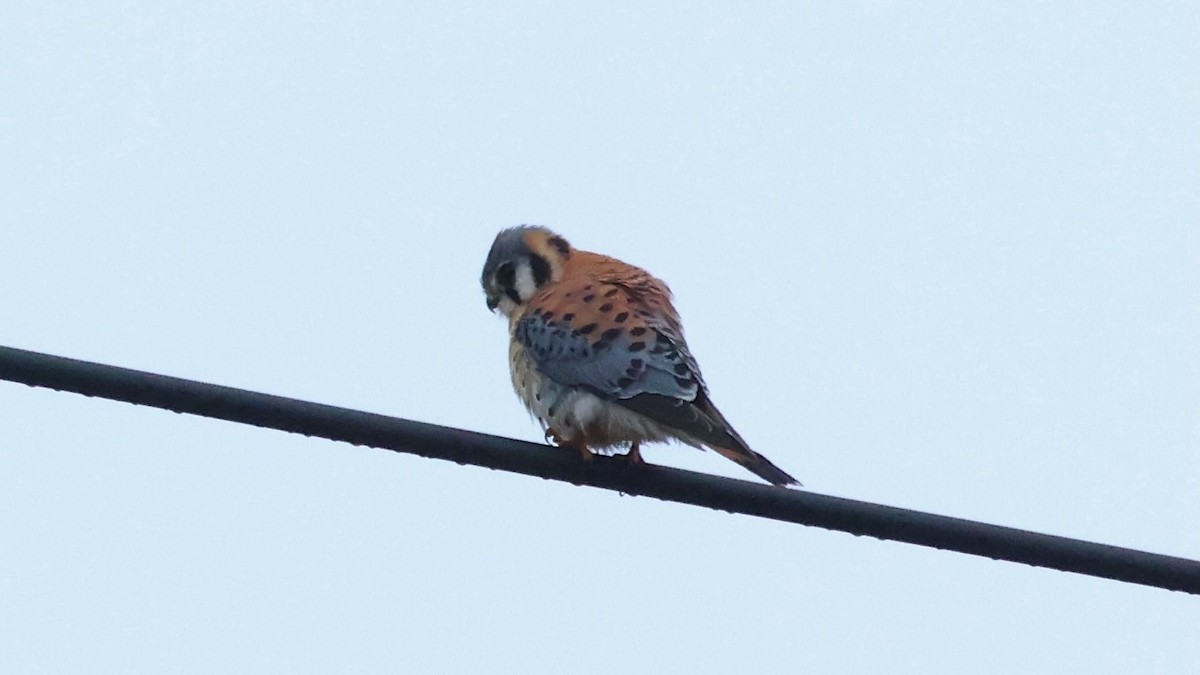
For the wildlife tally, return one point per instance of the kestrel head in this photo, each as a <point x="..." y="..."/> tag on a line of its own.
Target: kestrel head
<point x="522" y="260"/>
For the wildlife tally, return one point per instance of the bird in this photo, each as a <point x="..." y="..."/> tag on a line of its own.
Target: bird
<point x="597" y="353"/>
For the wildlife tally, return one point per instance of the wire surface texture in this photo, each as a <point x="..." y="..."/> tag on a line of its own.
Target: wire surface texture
<point x="688" y="487"/>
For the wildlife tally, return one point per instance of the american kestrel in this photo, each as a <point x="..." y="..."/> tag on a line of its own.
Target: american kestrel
<point x="597" y="352"/>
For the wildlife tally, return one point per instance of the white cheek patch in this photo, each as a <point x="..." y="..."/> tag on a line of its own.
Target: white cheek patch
<point x="524" y="282"/>
<point x="506" y="306"/>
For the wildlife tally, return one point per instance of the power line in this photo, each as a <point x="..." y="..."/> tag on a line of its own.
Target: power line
<point x="688" y="487"/>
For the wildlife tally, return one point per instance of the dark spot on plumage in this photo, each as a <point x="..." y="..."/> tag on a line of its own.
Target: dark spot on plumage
<point x="624" y="382"/>
<point x="640" y="330"/>
<point x="548" y="316"/>
<point x="589" y="297"/>
<point x="659" y="349"/>
<point x="599" y="346"/>
<point x="684" y="382"/>
<point x="588" y="287"/>
<point x="610" y="334"/>
<point x="611" y="292"/>
<point x="637" y="346"/>
<point x="660" y="338"/>
<point x="561" y="245"/>
<point x="588" y="329"/>
<point x="681" y="369"/>
<point x="621" y="318"/>
<point x="606" y="307"/>
<point x="568" y="316"/>
<point x="636" y="364"/>
<point x="541" y="270"/>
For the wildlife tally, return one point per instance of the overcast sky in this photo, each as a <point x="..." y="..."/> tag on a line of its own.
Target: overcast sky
<point x="942" y="256"/>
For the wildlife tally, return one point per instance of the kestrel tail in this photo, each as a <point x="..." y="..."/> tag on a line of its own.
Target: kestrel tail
<point x="597" y="352"/>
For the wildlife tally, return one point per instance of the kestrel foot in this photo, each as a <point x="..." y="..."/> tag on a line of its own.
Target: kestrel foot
<point x="585" y="453"/>
<point x="634" y="456"/>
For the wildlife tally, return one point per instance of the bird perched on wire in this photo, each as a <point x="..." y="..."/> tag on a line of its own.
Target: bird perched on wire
<point x="597" y="352"/>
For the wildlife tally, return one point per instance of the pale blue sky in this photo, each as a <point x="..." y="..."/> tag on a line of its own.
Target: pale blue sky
<point x="940" y="256"/>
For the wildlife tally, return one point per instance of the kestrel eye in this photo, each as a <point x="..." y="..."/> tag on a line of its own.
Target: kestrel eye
<point x="506" y="275"/>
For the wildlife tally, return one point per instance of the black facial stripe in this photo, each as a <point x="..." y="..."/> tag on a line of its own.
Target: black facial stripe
<point x="541" y="270"/>
<point x="561" y="244"/>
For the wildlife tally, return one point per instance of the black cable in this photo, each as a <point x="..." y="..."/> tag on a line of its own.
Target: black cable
<point x="727" y="494"/>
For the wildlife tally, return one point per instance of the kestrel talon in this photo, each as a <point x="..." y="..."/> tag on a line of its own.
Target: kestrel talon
<point x="597" y="352"/>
